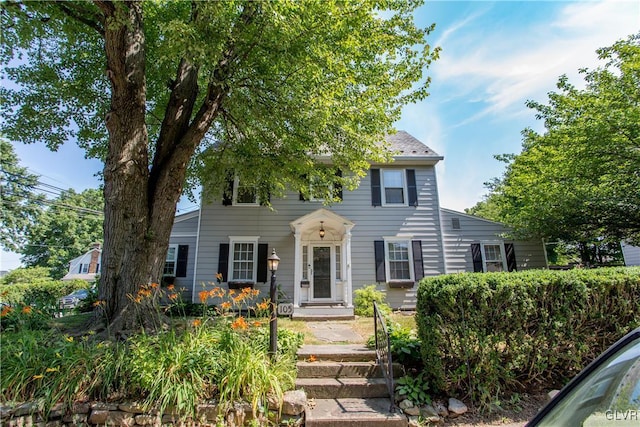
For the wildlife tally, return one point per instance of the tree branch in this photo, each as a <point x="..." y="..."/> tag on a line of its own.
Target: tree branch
<point x="84" y="15"/>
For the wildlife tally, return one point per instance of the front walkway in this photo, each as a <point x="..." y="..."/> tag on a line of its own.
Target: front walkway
<point x="334" y="332"/>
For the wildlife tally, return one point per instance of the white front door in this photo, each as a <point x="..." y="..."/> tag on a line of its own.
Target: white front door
<point x="322" y="273"/>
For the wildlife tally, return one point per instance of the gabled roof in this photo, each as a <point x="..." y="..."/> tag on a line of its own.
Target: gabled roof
<point x="406" y="145"/>
<point x="407" y="149"/>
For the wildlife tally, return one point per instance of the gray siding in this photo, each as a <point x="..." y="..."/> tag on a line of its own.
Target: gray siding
<point x="185" y="232"/>
<point x="371" y="223"/>
<point x="631" y="254"/>
<point x="529" y="254"/>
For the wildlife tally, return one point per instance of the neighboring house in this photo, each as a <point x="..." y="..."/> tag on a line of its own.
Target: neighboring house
<point x="390" y="231"/>
<point x="631" y="254"/>
<point x="86" y="266"/>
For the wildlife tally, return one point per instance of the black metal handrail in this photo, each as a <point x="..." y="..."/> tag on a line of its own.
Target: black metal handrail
<point x="383" y="352"/>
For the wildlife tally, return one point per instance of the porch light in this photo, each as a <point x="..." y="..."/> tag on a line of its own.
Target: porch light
<point x="273" y="261"/>
<point x="321" y="230"/>
<point x="272" y="265"/>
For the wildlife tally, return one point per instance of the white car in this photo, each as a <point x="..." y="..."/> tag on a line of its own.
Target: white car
<point x="70" y="301"/>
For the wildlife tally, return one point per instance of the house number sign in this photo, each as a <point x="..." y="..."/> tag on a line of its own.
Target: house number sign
<point x="285" y="309"/>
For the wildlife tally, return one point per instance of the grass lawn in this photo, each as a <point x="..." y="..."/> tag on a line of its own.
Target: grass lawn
<point x="362" y="326"/>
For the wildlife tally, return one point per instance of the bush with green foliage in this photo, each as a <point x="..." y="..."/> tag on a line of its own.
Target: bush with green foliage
<point x="413" y="388"/>
<point x="405" y="347"/>
<point x="364" y="299"/>
<point x="495" y="333"/>
<point x="43" y="295"/>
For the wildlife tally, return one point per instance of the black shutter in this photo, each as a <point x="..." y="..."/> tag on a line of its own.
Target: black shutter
<point x="227" y="196"/>
<point x="378" y="246"/>
<point x="412" y="188"/>
<point x="376" y="190"/>
<point x="223" y="261"/>
<point x="305" y="178"/>
<point x="263" y="253"/>
<point x="511" y="257"/>
<point x="476" y="255"/>
<point x="183" y="255"/>
<point x="337" y="188"/>
<point x="418" y="265"/>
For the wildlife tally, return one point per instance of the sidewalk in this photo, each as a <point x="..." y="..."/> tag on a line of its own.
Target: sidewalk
<point x="334" y="332"/>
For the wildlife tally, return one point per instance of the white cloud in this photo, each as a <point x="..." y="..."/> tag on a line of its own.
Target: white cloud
<point x="509" y="67"/>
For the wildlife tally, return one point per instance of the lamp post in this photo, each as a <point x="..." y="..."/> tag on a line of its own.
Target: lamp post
<point x="272" y="265"/>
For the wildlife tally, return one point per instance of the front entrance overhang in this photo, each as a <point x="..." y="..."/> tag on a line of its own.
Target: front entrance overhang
<point x="337" y="240"/>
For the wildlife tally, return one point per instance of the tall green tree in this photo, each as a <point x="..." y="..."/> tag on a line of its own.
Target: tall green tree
<point x="579" y="181"/>
<point x="64" y="230"/>
<point x="19" y="201"/>
<point x="148" y="85"/>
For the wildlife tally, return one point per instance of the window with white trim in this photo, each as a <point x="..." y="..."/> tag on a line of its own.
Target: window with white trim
<point x="171" y="261"/>
<point x="493" y="257"/>
<point x="398" y="259"/>
<point x="393" y="187"/>
<point x="84" y="269"/>
<point x="243" y="256"/>
<point x="245" y="195"/>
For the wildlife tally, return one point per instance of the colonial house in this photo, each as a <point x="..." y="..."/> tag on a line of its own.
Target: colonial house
<point x="390" y="231"/>
<point x="86" y="266"/>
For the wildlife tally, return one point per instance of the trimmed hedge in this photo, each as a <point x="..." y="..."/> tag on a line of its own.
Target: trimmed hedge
<point x="493" y="334"/>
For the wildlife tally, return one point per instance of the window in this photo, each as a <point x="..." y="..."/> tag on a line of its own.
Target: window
<point x="244" y="194"/>
<point x="305" y="263"/>
<point x="398" y="261"/>
<point x="242" y="259"/>
<point x="393" y="185"/>
<point x="455" y="223"/>
<point x="493" y="256"/>
<point x="171" y="261"/>
<point x="84" y="269"/>
<point x="338" y="263"/>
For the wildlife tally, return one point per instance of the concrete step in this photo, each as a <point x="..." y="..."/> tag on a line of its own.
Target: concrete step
<point x="332" y="369"/>
<point x="323" y="312"/>
<point x="327" y="388"/>
<point x="353" y="413"/>
<point x="337" y="353"/>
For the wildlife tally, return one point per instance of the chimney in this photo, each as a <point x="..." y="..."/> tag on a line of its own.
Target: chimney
<point x="95" y="257"/>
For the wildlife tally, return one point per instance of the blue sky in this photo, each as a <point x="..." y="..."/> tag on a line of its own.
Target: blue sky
<point x="495" y="56"/>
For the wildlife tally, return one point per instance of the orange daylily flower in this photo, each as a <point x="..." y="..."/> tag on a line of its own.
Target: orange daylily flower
<point x="153" y="285"/>
<point x="239" y="323"/>
<point x="171" y="287"/>
<point x="173" y="296"/>
<point x="6" y="310"/>
<point x="312" y="358"/>
<point x="196" y="323"/>
<point x="203" y="295"/>
<point x="27" y="309"/>
<point x="225" y="305"/>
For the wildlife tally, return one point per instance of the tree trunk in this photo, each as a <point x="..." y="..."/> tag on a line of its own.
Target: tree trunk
<point x="136" y="230"/>
<point x="140" y="202"/>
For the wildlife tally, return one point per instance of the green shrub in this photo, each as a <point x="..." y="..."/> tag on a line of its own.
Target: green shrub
<point x="405" y="347"/>
<point x="364" y="298"/>
<point x="43" y="295"/>
<point x="496" y="333"/>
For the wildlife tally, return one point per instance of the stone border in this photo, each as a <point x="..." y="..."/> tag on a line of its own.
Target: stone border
<point x="129" y="414"/>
